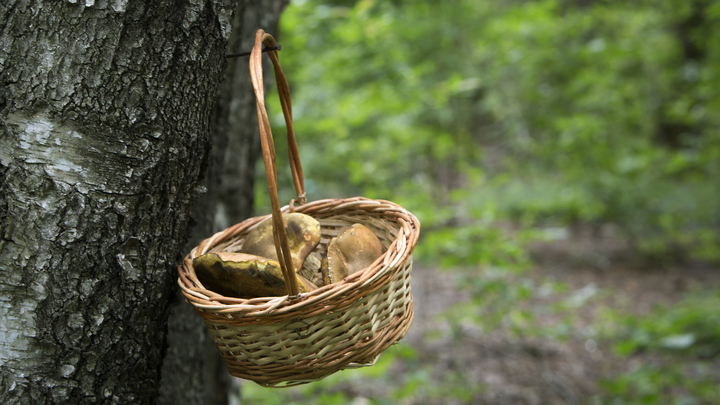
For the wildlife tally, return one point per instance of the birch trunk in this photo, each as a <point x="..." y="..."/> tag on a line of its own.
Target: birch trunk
<point x="105" y="111"/>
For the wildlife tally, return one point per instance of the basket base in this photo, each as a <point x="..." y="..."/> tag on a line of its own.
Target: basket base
<point x="307" y="370"/>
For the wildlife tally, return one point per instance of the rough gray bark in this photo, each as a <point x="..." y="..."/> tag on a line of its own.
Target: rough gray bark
<point x="193" y="361"/>
<point x="237" y="117"/>
<point x="104" y="128"/>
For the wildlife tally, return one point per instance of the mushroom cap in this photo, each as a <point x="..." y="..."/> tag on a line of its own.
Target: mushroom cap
<point x="355" y="249"/>
<point x="243" y="276"/>
<point x="303" y="233"/>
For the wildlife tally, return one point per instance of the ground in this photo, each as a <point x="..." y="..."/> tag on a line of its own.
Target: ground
<point x="545" y="371"/>
<point x="497" y="368"/>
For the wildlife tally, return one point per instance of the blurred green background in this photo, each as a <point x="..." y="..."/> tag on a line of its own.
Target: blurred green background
<point x="512" y="128"/>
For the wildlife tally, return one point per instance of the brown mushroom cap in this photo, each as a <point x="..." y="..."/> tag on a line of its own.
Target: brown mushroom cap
<point x="303" y="233"/>
<point x="243" y="276"/>
<point x="355" y="249"/>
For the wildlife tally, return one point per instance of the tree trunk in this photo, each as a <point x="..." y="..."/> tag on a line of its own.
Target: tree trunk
<point x="105" y="113"/>
<point x="193" y="362"/>
<point x="237" y="117"/>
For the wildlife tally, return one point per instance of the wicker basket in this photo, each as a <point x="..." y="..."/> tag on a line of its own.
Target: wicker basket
<point x="300" y="338"/>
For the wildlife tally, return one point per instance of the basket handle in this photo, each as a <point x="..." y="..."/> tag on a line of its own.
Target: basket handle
<point x="268" y="147"/>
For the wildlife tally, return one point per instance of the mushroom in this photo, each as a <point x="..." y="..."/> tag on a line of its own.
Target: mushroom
<point x="303" y="234"/>
<point x="355" y="249"/>
<point x="311" y="266"/>
<point x="244" y="276"/>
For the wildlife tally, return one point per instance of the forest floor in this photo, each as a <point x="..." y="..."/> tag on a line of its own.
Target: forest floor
<point x="538" y="370"/>
<point x="443" y="362"/>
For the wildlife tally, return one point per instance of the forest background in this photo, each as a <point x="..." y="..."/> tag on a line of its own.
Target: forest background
<point x="512" y="128"/>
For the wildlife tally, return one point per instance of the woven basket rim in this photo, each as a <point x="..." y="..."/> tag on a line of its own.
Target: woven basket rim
<point x="399" y="251"/>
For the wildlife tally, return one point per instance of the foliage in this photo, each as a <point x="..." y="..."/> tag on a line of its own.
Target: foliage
<point x="381" y="384"/>
<point x="496" y="302"/>
<point x="495" y="119"/>
<point x="533" y="111"/>
<point x="669" y="384"/>
<point x="690" y="328"/>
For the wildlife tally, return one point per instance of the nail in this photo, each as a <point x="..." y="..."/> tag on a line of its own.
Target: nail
<point x="278" y="47"/>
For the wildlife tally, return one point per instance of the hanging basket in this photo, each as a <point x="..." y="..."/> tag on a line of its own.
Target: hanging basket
<point x="300" y="338"/>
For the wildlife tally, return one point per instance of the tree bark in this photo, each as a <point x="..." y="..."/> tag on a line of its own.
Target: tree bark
<point x="193" y="362"/>
<point x="237" y="117"/>
<point x="105" y="111"/>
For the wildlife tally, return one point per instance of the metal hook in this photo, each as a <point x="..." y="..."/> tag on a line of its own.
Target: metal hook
<point x="278" y="47"/>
